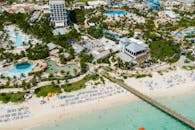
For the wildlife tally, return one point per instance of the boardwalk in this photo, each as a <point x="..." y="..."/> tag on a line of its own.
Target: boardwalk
<point x="152" y="102"/>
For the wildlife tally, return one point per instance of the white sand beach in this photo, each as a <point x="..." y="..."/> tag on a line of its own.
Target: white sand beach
<point x="67" y="105"/>
<point x="171" y="83"/>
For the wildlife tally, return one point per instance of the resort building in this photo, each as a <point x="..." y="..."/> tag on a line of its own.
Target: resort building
<point x="168" y="14"/>
<point x="77" y="48"/>
<point x="97" y="3"/>
<point x="170" y="4"/>
<point x="18" y="8"/>
<point x="45" y="9"/>
<point x="100" y="48"/>
<point x="138" y="34"/>
<point x="58" y="13"/>
<point x="35" y="16"/>
<point x="51" y="46"/>
<point x="78" y="5"/>
<point x="136" y="50"/>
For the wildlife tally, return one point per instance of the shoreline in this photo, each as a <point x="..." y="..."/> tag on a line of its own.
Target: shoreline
<point x="70" y="112"/>
<point x="110" y="102"/>
<point x="50" y="112"/>
<point x="80" y="109"/>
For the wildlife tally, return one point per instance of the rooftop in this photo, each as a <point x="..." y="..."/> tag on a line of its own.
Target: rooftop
<point x="101" y="55"/>
<point x="171" y="14"/>
<point x="51" y="46"/>
<point x="134" y="47"/>
<point x="108" y="44"/>
<point x="124" y="57"/>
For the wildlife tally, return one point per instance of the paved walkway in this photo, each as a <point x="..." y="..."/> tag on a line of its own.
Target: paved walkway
<point x="14" y="90"/>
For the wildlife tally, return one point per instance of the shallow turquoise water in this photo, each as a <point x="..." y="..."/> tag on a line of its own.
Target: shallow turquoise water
<point x="17" y="38"/>
<point x="185" y="105"/>
<point x="54" y="68"/>
<point x="112" y="13"/>
<point x="18" y="69"/>
<point x="130" y="117"/>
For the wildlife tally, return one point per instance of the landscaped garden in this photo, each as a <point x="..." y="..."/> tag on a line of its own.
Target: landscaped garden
<point x="79" y="84"/>
<point x="12" y="97"/>
<point x="44" y="90"/>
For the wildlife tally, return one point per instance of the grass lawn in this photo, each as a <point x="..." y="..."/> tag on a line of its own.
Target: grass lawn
<point x="12" y="97"/>
<point x="43" y="91"/>
<point x="79" y="84"/>
<point x="139" y="75"/>
<point x="82" y="0"/>
<point x="188" y="67"/>
<point x="190" y="56"/>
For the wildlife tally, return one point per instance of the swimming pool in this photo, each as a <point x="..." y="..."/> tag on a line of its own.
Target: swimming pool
<point x="54" y="68"/>
<point x="190" y="32"/>
<point x="23" y="65"/>
<point x="178" y="34"/>
<point x="18" y="70"/>
<point x="115" y="13"/>
<point x="153" y="4"/>
<point x="185" y="32"/>
<point x="60" y="31"/>
<point x="17" y="38"/>
<point x="115" y="36"/>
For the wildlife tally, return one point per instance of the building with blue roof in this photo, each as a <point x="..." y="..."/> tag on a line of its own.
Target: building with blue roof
<point x="153" y="4"/>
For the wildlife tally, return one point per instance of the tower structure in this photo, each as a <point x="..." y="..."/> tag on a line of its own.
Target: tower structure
<point x="58" y="13"/>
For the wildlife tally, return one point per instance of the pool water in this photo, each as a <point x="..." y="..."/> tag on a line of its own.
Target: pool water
<point x="18" y="70"/>
<point x="113" y="13"/>
<point x="22" y="66"/>
<point x="153" y="4"/>
<point x="115" y="36"/>
<point x="60" y="31"/>
<point x="185" y="32"/>
<point x="17" y="38"/>
<point x="190" y="32"/>
<point x="178" y="34"/>
<point x="54" y="68"/>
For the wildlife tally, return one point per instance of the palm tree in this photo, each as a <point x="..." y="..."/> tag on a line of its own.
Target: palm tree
<point x="75" y="71"/>
<point x="23" y="75"/>
<point x="67" y="73"/>
<point x="66" y="81"/>
<point x="126" y="64"/>
<point x="6" y="37"/>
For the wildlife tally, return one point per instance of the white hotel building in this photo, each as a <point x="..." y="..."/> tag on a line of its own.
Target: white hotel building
<point x="133" y="50"/>
<point x="58" y="13"/>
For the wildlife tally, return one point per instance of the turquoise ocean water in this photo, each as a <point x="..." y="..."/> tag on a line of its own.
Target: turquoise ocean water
<point x="130" y="116"/>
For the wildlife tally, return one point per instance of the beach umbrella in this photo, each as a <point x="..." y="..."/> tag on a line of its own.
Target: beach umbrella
<point x="41" y="98"/>
<point x="142" y="128"/>
<point x="49" y="94"/>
